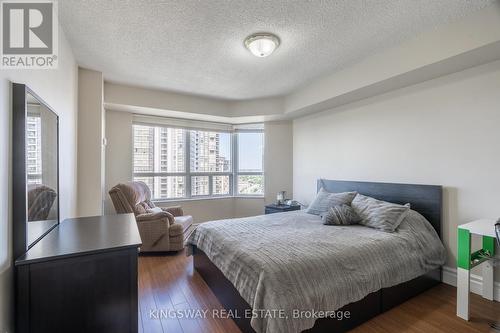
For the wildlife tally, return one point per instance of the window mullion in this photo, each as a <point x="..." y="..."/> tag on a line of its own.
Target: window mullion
<point x="188" y="163"/>
<point x="231" y="185"/>
<point x="159" y="174"/>
<point x="210" y="185"/>
<point x="235" y="164"/>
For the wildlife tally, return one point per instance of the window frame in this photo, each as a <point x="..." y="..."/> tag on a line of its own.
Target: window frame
<point x="188" y="174"/>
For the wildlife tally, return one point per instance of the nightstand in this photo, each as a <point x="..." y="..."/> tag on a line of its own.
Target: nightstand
<point x="274" y="208"/>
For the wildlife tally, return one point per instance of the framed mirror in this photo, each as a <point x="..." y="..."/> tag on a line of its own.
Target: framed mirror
<point x="35" y="175"/>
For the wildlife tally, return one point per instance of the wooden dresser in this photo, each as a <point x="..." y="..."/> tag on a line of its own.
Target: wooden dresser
<point x="81" y="277"/>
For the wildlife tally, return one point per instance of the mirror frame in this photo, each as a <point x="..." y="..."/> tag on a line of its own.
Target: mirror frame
<point x="19" y="174"/>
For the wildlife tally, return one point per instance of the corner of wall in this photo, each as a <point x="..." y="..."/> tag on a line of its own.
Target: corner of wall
<point x="91" y="124"/>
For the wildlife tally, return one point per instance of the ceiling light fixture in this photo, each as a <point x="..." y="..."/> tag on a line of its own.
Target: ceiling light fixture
<point x="262" y="44"/>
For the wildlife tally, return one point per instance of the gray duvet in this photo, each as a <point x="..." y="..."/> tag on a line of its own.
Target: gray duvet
<point x="291" y="262"/>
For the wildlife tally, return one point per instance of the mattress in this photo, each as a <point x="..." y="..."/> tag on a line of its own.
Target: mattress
<point x="289" y="265"/>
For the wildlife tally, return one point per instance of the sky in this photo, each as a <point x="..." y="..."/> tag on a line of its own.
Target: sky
<point x="250" y="148"/>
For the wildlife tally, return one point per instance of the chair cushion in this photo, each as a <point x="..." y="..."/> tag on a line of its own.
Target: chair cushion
<point x="148" y="203"/>
<point x="181" y="224"/>
<point x="139" y="209"/>
<point x="40" y="201"/>
<point x="146" y="206"/>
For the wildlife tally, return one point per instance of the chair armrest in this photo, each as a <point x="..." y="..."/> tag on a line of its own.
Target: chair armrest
<point x="175" y="230"/>
<point x="153" y="228"/>
<point x="163" y="216"/>
<point x="175" y="210"/>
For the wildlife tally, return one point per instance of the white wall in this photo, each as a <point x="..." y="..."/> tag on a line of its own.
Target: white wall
<point x="277" y="170"/>
<point x="59" y="89"/>
<point x="243" y="207"/>
<point x="443" y="131"/>
<point x="278" y="159"/>
<point x="118" y="153"/>
<point x="165" y="100"/>
<point x="162" y="103"/>
<point x="91" y="124"/>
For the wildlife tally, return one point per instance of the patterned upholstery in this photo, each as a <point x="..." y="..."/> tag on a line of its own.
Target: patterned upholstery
<point x="325" y="200"/>
<point x="340" y="215"/>
<point x="129" y="196"/>
<point x="40" y="201"/>
<point x="378" y="214"/>
<point x="161" y="229"/>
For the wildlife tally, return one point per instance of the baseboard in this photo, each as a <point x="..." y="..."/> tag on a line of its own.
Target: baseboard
<point x="476" y="282"/>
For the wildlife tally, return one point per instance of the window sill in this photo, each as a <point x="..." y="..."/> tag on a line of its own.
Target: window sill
<point x="166" y="201"/>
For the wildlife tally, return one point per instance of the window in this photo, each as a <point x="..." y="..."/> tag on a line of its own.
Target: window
<point x="210" y="151"/>
<point x="159" y="160"/>
<point x="34" y="149"/>
<point x="221" y="185"/>
<point x="184" y="163"/>
<point x="250" y="177"/>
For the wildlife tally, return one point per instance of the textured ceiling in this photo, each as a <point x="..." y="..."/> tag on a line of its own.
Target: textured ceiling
<point x="196" y="47"/>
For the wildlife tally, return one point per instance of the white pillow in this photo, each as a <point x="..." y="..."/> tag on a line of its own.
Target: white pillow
<point x="154" y="210"/>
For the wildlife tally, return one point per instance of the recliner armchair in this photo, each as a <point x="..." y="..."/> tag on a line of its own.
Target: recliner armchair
<point x="40" y="201"/>
<point x="161" y="229"/>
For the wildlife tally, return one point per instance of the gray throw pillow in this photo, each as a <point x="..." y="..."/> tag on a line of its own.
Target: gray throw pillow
<point x="378" y="214"/>
<point x="325" y="200"/>
<point x="340" y="215"/>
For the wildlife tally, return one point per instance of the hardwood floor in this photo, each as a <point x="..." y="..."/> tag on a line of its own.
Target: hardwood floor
<point x="168" y="283"/>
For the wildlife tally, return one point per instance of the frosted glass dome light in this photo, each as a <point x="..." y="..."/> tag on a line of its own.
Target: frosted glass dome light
<point x="262" y="44"/>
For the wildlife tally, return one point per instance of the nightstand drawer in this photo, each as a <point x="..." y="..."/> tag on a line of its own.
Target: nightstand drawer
<point x="273" y="208"/>
<point x="272" y="211"/>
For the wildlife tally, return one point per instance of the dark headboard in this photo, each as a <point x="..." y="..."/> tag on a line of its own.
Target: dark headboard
<point x="425" y="199"/>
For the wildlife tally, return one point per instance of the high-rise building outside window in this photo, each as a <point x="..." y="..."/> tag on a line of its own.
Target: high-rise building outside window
<point x="34" y="149"/>
<point x="180" y="163"/>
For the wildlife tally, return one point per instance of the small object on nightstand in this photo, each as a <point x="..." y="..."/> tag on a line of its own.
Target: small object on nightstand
<point x="274" y="208"/>
<point x="290" y="202"/>
<point x="280" y="197"/>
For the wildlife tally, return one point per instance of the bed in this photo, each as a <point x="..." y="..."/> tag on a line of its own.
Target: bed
<point x="289" y="266"/>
